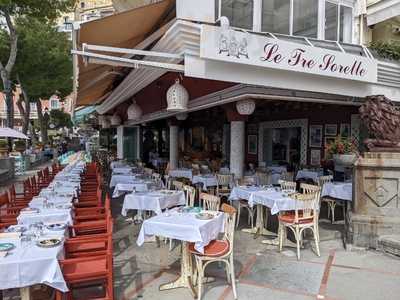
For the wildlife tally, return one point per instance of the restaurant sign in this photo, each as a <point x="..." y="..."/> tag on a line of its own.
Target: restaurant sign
<point x="262" y="51"/>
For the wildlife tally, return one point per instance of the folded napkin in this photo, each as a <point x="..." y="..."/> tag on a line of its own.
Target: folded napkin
<point x="3" y="254"/>
<point x="10" y="235"/>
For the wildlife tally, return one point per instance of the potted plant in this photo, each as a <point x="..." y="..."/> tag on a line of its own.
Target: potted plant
<point x="343" y="151"/>
<point x="3" y="148"/>
<point x="20" y="145"/>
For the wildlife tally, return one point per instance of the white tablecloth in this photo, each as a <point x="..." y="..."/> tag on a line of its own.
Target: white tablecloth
<point x="305" y="174"/>
<point x="26" y="266"/>
<point x="183" y="227"/>
<point x="243" y="192"/>
<point x="338" y="190"/>
<point x="37" y="202"/>
<point x="206" y="180"/>
<point x="186" y="173"/>
<point x="118" y="164"/>
<point x="154" y="201"/>
<point x="276" y="201"/>
<point x="46" y="216"/>
<point x="122" y="188"/>
<point x="122" y="170"/>
<point x="122" y="179"/>
<point x="277" y="169"/>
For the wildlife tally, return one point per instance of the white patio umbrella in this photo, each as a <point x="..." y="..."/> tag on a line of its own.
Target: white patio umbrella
<point x="8" y="132"/>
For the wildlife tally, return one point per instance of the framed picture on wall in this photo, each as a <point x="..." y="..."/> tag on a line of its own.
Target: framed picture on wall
<point x="252" y="144"/>
<point x="345" y="130"/>
<point x="331" y="129"/>
<point x="315" y="136"/>
<point x="315" y="157"/>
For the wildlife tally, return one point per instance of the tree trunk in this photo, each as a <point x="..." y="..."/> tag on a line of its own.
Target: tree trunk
<point x="5" y="71"/>
<point x="42" y="122"/>
<point x="25" y="110"/>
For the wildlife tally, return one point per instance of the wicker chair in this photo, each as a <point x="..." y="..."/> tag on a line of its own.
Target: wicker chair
<point x="305" y="216"/>
<point x="218" y="251"/>
<point x="210" y="202"/>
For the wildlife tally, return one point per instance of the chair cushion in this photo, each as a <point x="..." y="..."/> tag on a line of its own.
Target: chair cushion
<point x="289" y="217"/>
<point x="215" y="248"/>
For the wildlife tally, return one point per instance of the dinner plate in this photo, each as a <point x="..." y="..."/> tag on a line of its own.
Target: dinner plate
<point x="6" y="246"/>
<point x="56" y="227"/>
<point x="29" y="210"/>
<point x="48" y="243"/>
<point x="204" y="216"/>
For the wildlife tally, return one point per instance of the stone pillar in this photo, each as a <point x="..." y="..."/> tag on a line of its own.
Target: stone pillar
<point x="237" y="148"/>
<point x="173" y="146"/>
<point x="376" y="194"/>
<point x="120" y="142"/>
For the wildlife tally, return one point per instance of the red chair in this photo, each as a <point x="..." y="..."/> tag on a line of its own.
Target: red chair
<point x="83" y="214"/>
<point x="90" y="270"/>
<point x="84" y="245"/>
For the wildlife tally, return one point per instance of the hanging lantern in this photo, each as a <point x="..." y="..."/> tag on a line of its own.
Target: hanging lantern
<point x="177" y="97"/>
<point x="181" y="116"/>
<point x="134" y="111"/>
<point x="246" y="107"/>
<point x="115" y="120"/>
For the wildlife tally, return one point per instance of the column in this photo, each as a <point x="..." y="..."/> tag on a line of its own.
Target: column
<point x="237" y="152"/>
<point x="173" y="146"/>
<point x="120" y="142"/>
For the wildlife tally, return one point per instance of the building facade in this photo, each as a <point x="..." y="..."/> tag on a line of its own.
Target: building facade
<point x="300" y="68"/>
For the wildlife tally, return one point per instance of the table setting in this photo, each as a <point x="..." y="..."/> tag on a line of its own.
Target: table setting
<point x="124" y="178"/>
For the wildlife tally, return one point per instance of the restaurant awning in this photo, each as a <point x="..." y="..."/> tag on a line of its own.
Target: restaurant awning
<point x="124" y="30"/>
<point x="382" y="10"/>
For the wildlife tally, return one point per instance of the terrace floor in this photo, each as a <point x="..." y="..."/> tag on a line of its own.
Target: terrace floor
<point x="262" y="272"/>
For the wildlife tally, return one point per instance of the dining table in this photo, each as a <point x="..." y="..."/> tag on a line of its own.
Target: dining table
<point x="182" y="172"/>
<point x="207" y="181"/>
<point x="187" y="228"/>
<point x="263" y="197"/>
<point x="338" y="190"/>
<point x="124" y="178"/>
<point x="155" y="201"/>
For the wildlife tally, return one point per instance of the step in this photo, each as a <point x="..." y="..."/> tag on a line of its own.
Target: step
<point x="390" y="244"/>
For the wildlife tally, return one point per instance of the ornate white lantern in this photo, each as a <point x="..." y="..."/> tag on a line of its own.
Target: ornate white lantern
<point x="134" y="111"/>
<point x="181" y="116"/>
<point x="115" y="120"/>
<point x="177" y="97"/>
<point x="246" y="107"/>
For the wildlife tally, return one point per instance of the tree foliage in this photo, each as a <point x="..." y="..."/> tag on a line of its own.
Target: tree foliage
<point x="60" y="119"/>
<point x="387" y="50"/>
<point x="44" y="65"/>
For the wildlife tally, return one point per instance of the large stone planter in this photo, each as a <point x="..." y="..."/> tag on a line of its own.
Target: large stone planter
<point x="376" y="206"/>
<point x="346" y="160"/>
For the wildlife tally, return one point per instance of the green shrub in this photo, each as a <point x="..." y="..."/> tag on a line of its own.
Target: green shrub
<point x="387" y="50"/>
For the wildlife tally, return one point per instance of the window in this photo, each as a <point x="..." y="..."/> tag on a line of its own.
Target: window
<point x="239" y="13"/>
<point x="33" y="106"/>
<point x="276" y="16"/>
<point x="82" y="4"/>
<point x="305" y="18"/>
<point x="54" y="104"/>
<point x="346" y="24"/>
<point x="331" y="21"/>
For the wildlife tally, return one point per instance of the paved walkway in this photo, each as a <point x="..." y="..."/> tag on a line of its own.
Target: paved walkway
<point x="262" y="272"/>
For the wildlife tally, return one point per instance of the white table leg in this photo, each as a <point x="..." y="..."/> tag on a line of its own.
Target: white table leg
<point x="185" y="279"/>
<point x="25" y="293"/>
<point x="260" y="229"/>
